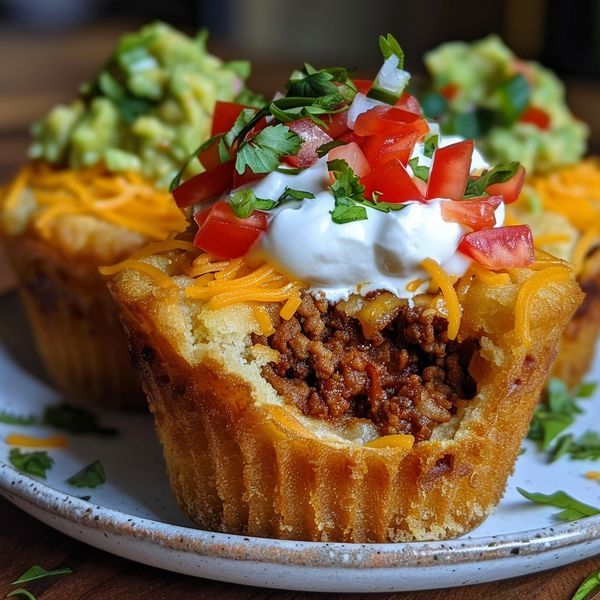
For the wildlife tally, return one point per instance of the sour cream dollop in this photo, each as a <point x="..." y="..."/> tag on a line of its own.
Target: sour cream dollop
<point x="384" y="251"/>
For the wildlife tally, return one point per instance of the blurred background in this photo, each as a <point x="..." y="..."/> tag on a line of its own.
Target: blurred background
<point x="48" y="47"/>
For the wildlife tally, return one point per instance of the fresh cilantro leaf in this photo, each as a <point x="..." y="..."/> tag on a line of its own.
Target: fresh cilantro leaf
<point x="587" y="447"/>
<point x="385" y="207"/>
<point x="310" y="83"/>
<point x="245" y="202"/>
<point x="91" y="476"/>
<point x="499" y="174"/>
<point x="346" y="182"/>
<point x="21" y="592"/>
<point x="290" y="194"/>
<point x="590" y="584"/>
<point x="292" y="109"/>
<point x="587" y="389"/>
<point x="36" y="572"/>
<point x="12" y="419"/>
<point x="242" y="121"/>
<point x="389" y="45"/>
<point x="561" y="447"/>
<point x="325" y="148"/>
<point x="75" y="420"/>
<point x="513" y="97"/>
<point x="431" y="143"/>
<point x="546" y="426"/>
<point x="262" y="153"/>
<point x="347" y="211"/>
<point x="32" y="463"/>
<point x="572" y="508"/>
<point x="422" y="172"/>
<point x="559" y="399"/>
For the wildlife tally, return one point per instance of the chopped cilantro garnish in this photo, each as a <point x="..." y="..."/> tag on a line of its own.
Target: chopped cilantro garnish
<point x="422" y="172"/>
<point x="32" y="463"/>
<point x="245" y="202"/>
<point x="75" y="420"/>
<point x="325" y="148"/>
<point x="13" y="419"/>
<point x="476" y="185"/>
<point x="350" y="203"/>
<point x="91" y="476"/>
<point x="572" y="508"/>
<point x="587" y="447"/>
<point x="36" y="572"/>
<point x="262" y="153"/>
<point x="590" y="584"/>
<point x="431" y="143"/>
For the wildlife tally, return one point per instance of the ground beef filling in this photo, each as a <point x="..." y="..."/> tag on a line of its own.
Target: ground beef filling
<point x="405" y="376"/>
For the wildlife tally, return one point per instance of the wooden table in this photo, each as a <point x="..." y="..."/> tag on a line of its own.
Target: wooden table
<point x="38" y="71"/>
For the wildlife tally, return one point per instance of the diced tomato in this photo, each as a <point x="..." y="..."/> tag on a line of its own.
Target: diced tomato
<point x="389" y="120"/>
<point x="248" y="176"/>
<point x="450" y="170"/>
<point x="536" y="116"/>
<point x="223" y="234"/>
<point x="363" y="85"/>
<point x="477" y="213"/>
<point x="336" y="125"/>
<point x="350" y="136"/>
<point x="225" y="115"/>
<point x="410" y="103"/>
<point x="391" y="180"/>
<point x="501" y="247"/>
<point x="381" y="148"/>
<point x="209" y="157"/>
<point x="204" y="186"/>
<point x="202" y="215"/>
<point x="353" y="155"/>
<point x="449" y="91"/>
<point x="313" y="137"/>
<point x="509" y="190"/>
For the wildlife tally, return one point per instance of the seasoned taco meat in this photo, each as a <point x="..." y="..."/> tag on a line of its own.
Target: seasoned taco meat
<point x="375" y="358"/>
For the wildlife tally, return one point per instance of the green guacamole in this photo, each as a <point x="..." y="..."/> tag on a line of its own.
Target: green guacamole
<point x="482" y="90"/>
<point x="147" y="110"/>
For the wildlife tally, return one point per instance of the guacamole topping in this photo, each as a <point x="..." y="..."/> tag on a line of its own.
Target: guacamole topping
<point x="515" y="109"/>
<point x="146" y="110"/>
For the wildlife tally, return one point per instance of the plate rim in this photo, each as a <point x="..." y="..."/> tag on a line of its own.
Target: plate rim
<point x="305" y="554"/>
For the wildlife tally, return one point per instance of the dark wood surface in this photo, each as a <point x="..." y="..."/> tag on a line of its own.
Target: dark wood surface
<point x="35" y="72"/>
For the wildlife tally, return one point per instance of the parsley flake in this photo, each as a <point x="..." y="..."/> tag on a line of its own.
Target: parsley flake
<point x="262" y="153"/>
<point x="590" y="584"/>
<point x="36" y="572"/>
<point x="573" y="509"/>
<point x="422" y="172"/>
<point x="90" y="476"/>
<point x="31" y="463"/>
<point x="499" y="174"/>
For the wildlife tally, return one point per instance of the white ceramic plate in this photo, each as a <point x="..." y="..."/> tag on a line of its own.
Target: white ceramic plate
<point x="134" y="515"/>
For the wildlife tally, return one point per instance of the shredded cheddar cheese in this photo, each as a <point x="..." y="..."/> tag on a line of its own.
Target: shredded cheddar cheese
<point x="27" y="441"/>
<point x="445" y="284"/>
<point x="122" y="199"/>
<point x="527" y="295"/>
<point x="589" y="240"/>
<point x="487" y="276"/>
<point x="263" y="319"/>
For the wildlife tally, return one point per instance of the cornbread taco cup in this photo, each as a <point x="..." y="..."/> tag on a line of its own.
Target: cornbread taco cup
<point x="517" y="109"/>
<point x="350" y="349"/>
<point x="95" y="191"/>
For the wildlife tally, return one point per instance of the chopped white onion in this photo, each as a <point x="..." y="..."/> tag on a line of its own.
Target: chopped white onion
<point x="361" y="104"/>
<point x="390" y="77"/>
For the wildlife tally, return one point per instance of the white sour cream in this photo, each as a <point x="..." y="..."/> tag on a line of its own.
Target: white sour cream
<point x="382" y="252"/>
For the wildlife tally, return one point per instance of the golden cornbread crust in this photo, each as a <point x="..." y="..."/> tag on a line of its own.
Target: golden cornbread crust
<point x="242" y="461"/>
<point x="75" y="326"/>
<point x="577" y="345"/>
